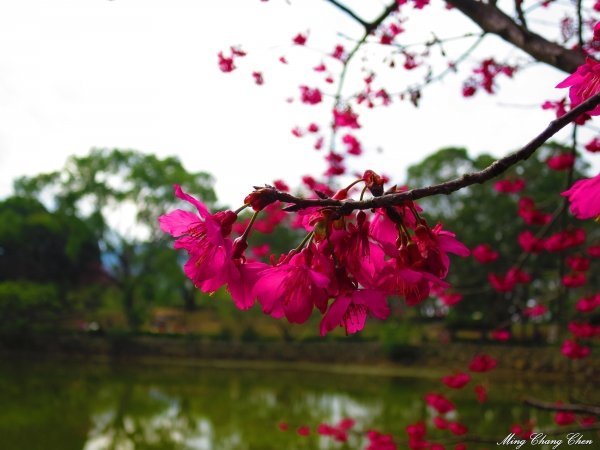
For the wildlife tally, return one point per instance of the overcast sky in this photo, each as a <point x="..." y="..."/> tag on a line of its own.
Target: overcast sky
<point x="143" y="75"/>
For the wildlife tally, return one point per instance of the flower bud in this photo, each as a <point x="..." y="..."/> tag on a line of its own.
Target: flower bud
<point x="260" y="198"/>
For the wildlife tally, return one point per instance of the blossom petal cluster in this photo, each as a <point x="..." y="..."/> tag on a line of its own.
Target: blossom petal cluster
<point x="583" y="84"/>
<point x="346" y="269"/>
<point x="584" y="196"/>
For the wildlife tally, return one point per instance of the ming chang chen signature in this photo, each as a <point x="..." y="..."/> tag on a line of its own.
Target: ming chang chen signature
<point x="542" y="439"/>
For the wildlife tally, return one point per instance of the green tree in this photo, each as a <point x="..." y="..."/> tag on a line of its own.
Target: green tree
<point x="482" y="215"/>
<point x="92" y="186"/>
<point x="43" y="256"/>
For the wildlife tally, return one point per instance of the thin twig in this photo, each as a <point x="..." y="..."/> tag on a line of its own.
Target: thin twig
<point x="579" y="26"/>
<point x="520" y="14"/>
<point x="576" y="408"/>
<point x="349" y="12"/>
<point x="447" y="188"/>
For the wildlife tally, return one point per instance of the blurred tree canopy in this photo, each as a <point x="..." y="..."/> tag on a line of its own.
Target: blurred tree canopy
<point x="43" y="256"/>
<point x="42" y="246"/>
<point x="482" y="215"/>
<point x="103" y="183"/>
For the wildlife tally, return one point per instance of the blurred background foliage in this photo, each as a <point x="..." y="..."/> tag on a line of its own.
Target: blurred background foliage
<point x="67" y="264"/>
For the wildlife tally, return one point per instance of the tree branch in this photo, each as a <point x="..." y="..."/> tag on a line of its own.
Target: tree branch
<point x="369" y="26"/>
<point x="549" y="406"/>
<point x="520" y="14"/>
<point x="349" y="12"/>
<point x="497" y="168"/>
<point x="493" y="20"/>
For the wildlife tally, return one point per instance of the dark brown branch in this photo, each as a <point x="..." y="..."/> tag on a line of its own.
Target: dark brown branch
<point x="493" y="20"/>
<point x="549" y="406"/>
<point x="384" y="15"/>
<point x="369" y="26"/>
<point x="349" y="12"/>
<point x="497" y="168"/>
<point x="579" y="26"/>
<point x="520" y="14"/>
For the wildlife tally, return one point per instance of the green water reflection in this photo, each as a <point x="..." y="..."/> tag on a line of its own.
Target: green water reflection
<point x="73" y="405"/>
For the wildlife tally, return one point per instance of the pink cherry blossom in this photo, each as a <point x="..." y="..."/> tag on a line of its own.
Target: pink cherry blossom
<point x="510" y="186"/>
<point x="292" y="288"/>
<point x="501" y="335"/>
<point x="345" y="118"/>
<point x="225" y="64"/>
<point x="303" y="431"/>
<point x="457" y="381"/>
<point x="583" y="330"/>
<point x="378" y="441"/>
<point x="281" y="185"/>
<point x="564" y="418"/>
<point x="574" y="280"/>
<point x="578" y="263"/>
<point x="416" y="431"/>
<point x="440" y="423"/>
<point x="583" y="84"/>
<point x="535" y="311"/>
<point x="484" y="254"/>
<point x="434" y="245"/>
<point x="204" y="237"/>
<point x="587" y="304"/>
<point x="404" y="274"/>
<point x="241" y="286"/>
<point x="440" y="403"/>
<point x="482" y="363"/>
<point x="261" y="250"/>
<point x="594" y="251"/>
<point x="508" y="282"/>
<point x="258" y="78"/>
<point x="339" y="53"/>
<point x="594" y="145"/>
<point x="573" y="350"/>
<point x="350" y="310"/>
<point x="565" y="239"/>
<point x="584" y="196"/>
<point x="352" y="145"/>
<point x="587" y="421"/>
<point x="457" y="428"/>
<point x="319" y="143"/>
<point x="563" y="161"/>
<point x="310" y="96"/>
<point x="481" y="393"/>
<point x="300" y="39"/>
<point x="450" y="299"/>
<point x="530" y="243"/>
<point x="531" y="216"/>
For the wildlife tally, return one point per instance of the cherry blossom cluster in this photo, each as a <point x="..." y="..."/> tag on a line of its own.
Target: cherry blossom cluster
<point x="346" y="267"/>
<point x="584" y="205"/>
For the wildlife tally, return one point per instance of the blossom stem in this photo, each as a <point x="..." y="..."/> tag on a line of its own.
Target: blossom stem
<point x="363" y="193"/>
<point x="416" y="213"/>
<point x="354" y="183"/>
<point x="249" y="227"/>
<point x="335" y="260"/>
<point x="241" y="208"/>
<point x="305" y="240"/>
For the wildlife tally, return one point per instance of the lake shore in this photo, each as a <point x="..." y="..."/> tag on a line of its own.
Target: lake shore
<point x="430" y="360"/>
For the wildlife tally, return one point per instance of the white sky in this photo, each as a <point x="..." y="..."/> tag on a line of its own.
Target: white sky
<point x="143" y="75"/>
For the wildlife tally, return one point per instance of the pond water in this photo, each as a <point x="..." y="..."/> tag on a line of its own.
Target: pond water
<point x="95" y="406"/>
